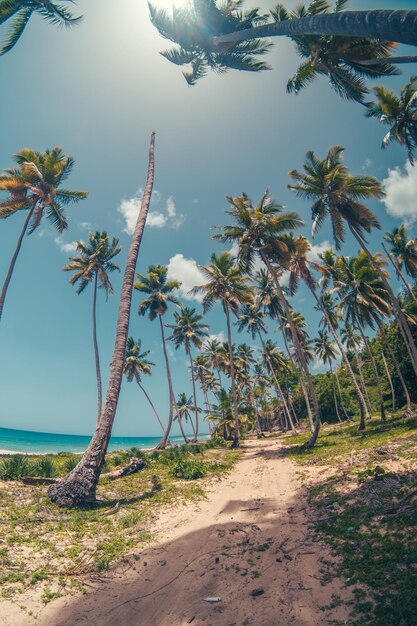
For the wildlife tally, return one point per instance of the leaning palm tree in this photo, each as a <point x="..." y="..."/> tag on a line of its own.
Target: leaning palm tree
<point x="80" y="484"/>
<point x="93" y="264"/>
<point x="226" y="284"/>
<point x="185" y="408"/>
<point x="159" y="293"/>
<point x="34" y="186"/>
<point x="212" y="350"/>
<point x="403" y="255"/>
<point x="19" y="12"/>
<point x="136" y="364"/>
<point x="326" y="352"/>
<point x="399" y="113"/>
<point x="219" y="37"/>
<point x="336" y="193"/>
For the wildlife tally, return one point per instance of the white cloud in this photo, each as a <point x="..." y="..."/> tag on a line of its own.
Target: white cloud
<point x="220" y="336"/>
<point x="188" y="272"/>
<point x="400" y="187"/>
<point x="318" y="366"/>
<point x="85" y="226"/>
<point x="66" y="247"/>
<point x="313" y="255"/>
<point x="157" y="217"/>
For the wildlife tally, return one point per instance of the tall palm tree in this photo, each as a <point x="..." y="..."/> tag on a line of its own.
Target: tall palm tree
<point x="226" y="284"/>
<point x="338" y="58"/>
<point x="336" y="193"/>
<point x="327" y="352"/>
<point x="19" y="13"/>
<point x="34" y="186"/>
<point x="189" y="331"/>
<point x="261" y="231"/>
<point x="93" y="264"/>
<point x="219" y="37"/>
<point x="403" y="255"/>
<point x="159" y="293"/>
<point x="204" y="376"/>
<point x="136" y="364"/>
<point x="81" y="483"/>
<point x="213" y="352"/>
<point x="398" y="112"/>
<point x="185" y="407"/>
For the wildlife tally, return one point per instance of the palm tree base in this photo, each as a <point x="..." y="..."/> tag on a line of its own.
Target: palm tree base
<point x="76" y="489"/>
<point x="235" y="443"/>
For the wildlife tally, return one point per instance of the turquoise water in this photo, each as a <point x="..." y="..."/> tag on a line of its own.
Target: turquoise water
<point x="34" y="442"/>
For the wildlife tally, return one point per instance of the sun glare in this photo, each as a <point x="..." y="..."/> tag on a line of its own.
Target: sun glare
<point x="168" y="4"/>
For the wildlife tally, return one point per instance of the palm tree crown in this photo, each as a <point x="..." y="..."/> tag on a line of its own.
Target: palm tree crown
<point x="159" y="289"/>
<point x="404" y="250"/>
<point x="136" y="362"/>
<point x="187" y="329"/>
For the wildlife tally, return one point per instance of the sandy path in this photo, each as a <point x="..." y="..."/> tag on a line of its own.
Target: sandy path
<point x="252" y="532"/>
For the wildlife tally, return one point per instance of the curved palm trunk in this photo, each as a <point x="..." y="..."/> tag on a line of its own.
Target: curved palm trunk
<point x="153" y="406"/>
<point x="394" y="399"/>
<point x="14" y="259"/>
<point x="358" y="392"/>
<point x="236" y="437"/>
<point x="299" y="351"/>
<point x="339" y="389"/>
<point x="301" y="381"/>
<point x="335" y="394"/>
<point x="397" y="368"/>
<point x="96" y="354"/>
<point x="278" y="388"/>
<point x="400" y="274"/>
<point x="194" y="394"/>
<point x="80" y="484"/>
<point x="399" y="315"/>
<point x="376" y="374"/>
<point x="359" y="364"/>
<point x="387" y="25"/>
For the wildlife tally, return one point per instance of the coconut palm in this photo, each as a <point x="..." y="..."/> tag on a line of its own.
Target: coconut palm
<point x="275" y="361"/>
<point x="403" y="255"/>
<point x="34" y="186"/>
<point x="398" y="112"/>
<point x="203" y="374"/>
<point x="94" y="264"/>
<point x="219" y="37"/>
<point x="326" y="351"/>
<point x="336" y="193"/>
<point x="159" y="293"/>
<point x="81" y="483"/>
<point x="338" y="58"/>
<point x="213" y="352"/>
<point x="135" y="366"/>
<point x="189" y="331"/>
<point x="185" y="408"/>
<point x="226" y="284"/>
<point x="19" y="12"/>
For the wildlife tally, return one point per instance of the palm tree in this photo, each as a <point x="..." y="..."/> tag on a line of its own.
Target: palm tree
<point x="403" y="255"/>
<point x="34" y="186"/>
<point x="20" y="12"/>
<point x="299" y="270"/>
<point x="159" y="293"/>
<point x="204" y="376"/>
<point x="185" y="407"/>
<point x="188" y="331"/>
<point x="136" y="364"/>
<point x="398" y="112"/>
<point x="226" y="284"/>
<point x="327" y="352"/>
<point x="261" y="232"/>
<point x="338" y="58"/>
<point x="94" y="263"/>
<point x="222" y="37"/>
<point x="341" y="201"/>
<point x="81" y="483"/>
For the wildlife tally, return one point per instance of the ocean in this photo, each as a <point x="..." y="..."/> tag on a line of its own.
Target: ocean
<point x="32" y="442"/>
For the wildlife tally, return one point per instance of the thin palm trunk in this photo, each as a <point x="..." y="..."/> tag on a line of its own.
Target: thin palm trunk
<point x="80" y="484"/>
<point x="299" y="351"/>
<point x="397" y="368"/>
<point x="359" y="364"/>
<point x="236" y="438"/>
<point x="376" y="373"/>
<point x="96" y="353"/>
<point x="14" y="259"/>
<point x="152" y="405"/>
<point x="278" y="388"/>
<point x="335" y="394"/>
<point x="339" y="389"/>
<point x="399" y="315"/>
<point x="194" y="393"/>
<point x="383" y="24"/>
<point x="394" y="399"/>
<point x="300" y="379"/>
<point x="401" y="275"/>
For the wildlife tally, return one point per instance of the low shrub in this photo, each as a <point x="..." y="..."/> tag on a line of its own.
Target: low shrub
<point x="70" y="464"/>
<point x="188" y="469"/>
<point x="45" y="467"/>
<point x="15" y="467"/>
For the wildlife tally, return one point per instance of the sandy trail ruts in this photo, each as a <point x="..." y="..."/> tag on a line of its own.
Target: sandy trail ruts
<point x="252" y="532"/>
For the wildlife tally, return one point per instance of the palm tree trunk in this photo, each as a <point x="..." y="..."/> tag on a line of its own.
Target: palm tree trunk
<point x="96" y="354"/>
<point x="14" y="259"/>
<point x="394" y="400"/>
<point x="370" y="406"/>
<point x="400" y="274"/>
<point x="299" y="351"/>
<point x="194" y="393"/>
<point x="358" y="392"/>
<point x="153" y="406"/>
<point x="397" y="367"/>
<point x="335" y="394"/>
<point x="387" y="25"/>
<point x="339" y="389"/>
<point x="376" y="373"/>
<point x="301" y="381"/>
<point x="80" y="484"/>
<point x="236" y="438"/>
<point x="399" y="315"/>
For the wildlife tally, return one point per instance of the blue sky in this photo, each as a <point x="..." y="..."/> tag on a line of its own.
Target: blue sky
<point x="98" y="91"/>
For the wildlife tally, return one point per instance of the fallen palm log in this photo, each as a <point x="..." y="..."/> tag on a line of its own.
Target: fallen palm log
<point x="134" y="466"/>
